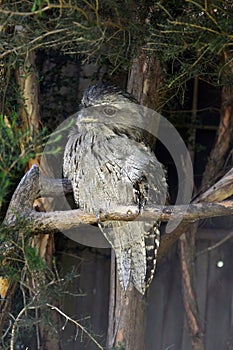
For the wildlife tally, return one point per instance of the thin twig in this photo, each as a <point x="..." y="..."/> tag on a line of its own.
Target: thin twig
<point x="16" y="321"/>
<point x="216" y="245"/>
<point x="78" y="325"/>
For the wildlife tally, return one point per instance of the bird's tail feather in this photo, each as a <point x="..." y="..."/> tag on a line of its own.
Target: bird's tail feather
<point x="127" y="240"/>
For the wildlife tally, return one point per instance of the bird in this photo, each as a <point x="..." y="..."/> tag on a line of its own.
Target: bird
<point x="109" y="162"/>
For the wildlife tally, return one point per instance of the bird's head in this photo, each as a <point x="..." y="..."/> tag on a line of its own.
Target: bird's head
<point x="109" y="105"/>
<point x="105" y="93"/>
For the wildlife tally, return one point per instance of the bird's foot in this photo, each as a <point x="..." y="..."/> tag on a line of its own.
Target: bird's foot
<point x="101" y="213"/>
<point x="142" y="205"/>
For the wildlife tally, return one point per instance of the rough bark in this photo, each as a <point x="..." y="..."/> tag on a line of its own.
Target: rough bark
<point x="28" y="82"/>
<point x="145" y="80"/>
<point x="27" y="79"/>
<point x="223" y="143"/>
<point x="219" y="191"/>
<point x="127" y="315"/>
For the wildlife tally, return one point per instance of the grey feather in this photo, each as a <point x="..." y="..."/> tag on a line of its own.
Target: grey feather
<point x="109" y="165"/>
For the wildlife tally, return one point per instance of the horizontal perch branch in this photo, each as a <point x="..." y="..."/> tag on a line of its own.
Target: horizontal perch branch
<point x="29" y="189"/>
<point x="65" y="220"/>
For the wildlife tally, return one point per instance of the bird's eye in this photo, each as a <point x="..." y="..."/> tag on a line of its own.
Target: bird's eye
<point x="110" y="111"/>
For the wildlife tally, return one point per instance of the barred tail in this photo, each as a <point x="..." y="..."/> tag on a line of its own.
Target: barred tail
<point x="152" y="240"/>
<point x="136" y="245"/>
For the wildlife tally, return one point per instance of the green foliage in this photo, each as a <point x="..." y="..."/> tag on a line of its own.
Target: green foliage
<point x="16" y="150"/>
<point x="12" y="159"/>
<point x="37" y="5"/>
<point x="40" y="290"/>
<point x="33" y="260"/>
<point x="93" y="30"/>
<point x="192" y="39"/>
<point x="16" y="251"/>
<point x="39" y="286"/>
<point x="119" y="346"/>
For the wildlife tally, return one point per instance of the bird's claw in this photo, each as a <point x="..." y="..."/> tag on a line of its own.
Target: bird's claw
<point x="99" y="214"/>
<point x="142" y="205"/>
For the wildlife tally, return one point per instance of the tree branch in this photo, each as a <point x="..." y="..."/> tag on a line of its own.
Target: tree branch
<point x="221" y="190"/>
<point x="65" y="220"/>
<point x="21" y="206"/>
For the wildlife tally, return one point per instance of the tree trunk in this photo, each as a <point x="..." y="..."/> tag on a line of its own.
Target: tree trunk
<point x="223" y="144"/>
<point x="187" y="248"/>
<point x="127" y="311"/>
<point x="187" y="258"/>
<point x="145" y="81"/>
<point x="127" y="315"/>
<point x="28" y="82"/>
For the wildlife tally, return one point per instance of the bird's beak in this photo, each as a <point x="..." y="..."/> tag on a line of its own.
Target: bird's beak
<point x="85" y="117"/>
<point x="87" y="120"/>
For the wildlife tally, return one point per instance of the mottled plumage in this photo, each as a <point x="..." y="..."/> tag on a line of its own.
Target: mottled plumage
<point x="109" y="165"/>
